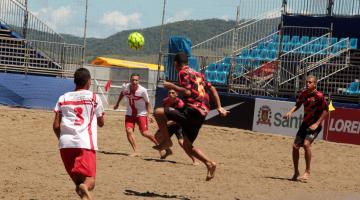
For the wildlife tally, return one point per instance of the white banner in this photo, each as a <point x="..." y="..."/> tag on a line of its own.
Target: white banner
<point x="268" y="117"/>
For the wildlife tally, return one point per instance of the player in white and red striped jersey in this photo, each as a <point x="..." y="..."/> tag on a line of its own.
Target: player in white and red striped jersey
<point x="77" y="115"/>
<point x="137" y="110"/>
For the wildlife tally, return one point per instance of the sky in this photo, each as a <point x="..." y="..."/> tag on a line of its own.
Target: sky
<point x="107" y="17"/>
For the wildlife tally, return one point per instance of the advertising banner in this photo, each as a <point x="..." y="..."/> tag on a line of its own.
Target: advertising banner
<point x="343" y="125"/>
<point x="268" y="117"/>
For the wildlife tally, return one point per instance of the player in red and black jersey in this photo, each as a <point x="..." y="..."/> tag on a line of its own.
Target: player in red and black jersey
<point x="195" y="90"/>
<point x="315" y="110"/>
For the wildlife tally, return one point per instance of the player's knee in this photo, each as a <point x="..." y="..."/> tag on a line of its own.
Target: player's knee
<point x="129" y="131"/>
<point x="296" y="147"/>
<point x="159" y="112"/>
<point x="145" y="134"/>
<point x="307" y="145"/>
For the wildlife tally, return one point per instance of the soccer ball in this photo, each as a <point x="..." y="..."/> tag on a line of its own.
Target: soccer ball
<point x="136" y="40"/>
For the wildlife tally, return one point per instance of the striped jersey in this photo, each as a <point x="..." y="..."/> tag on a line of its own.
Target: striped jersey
<point x="79" y="111"/>
<point x="314" y="105"/>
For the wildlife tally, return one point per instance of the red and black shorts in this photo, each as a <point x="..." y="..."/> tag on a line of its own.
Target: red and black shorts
<point x="189" y="119"/>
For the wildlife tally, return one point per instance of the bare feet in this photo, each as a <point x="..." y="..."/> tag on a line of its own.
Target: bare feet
<point x="295" y="176"/>
<point x="83" y="192"/>
<point x="211" y="166"/>
<point x="305" y="177"/>
<point x="165" y="153"/>
<point x="163" y="146"/>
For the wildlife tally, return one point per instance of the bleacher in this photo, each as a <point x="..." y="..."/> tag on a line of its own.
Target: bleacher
<point x="33" y="48"/>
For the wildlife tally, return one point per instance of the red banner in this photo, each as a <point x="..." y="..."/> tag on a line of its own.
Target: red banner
<point x="343" y="125"/>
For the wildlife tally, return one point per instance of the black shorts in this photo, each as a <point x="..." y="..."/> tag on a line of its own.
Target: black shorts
<point x="304" y="133"/>
<point x="175" y="129"/>
<point x="189" y="119"/>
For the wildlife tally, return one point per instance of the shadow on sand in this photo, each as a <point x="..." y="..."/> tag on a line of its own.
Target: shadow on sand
<point x="153" y="195"/>
<point x="113" y="153"/>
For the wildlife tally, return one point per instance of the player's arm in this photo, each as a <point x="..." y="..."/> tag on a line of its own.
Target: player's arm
<point x="298" y="103"/>
<point x="100" y="121"/>
<point x="215" y="97"/>
<point x="56" y="124"/>
<point x="118" y="101"/>
<point x="291" y="111"/>
<point x="177" y="88"/>
<point x="318" y="122"/>
<point x="148" y="108"/>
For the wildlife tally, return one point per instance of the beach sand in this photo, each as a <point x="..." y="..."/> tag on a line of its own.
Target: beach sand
<point x="249" y="165"/>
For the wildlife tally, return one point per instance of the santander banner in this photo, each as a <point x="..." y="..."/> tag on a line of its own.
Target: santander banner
<point x="343" y="126"/>
<point x="268" y="117"/>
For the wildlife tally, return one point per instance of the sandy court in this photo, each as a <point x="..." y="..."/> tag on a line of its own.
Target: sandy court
<point x="250" y="165"/>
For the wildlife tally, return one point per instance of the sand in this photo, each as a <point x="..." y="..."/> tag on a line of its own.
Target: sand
<point x="249" y="165"/>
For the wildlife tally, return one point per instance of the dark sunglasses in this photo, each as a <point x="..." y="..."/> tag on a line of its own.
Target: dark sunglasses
<point x="171" y="92"/>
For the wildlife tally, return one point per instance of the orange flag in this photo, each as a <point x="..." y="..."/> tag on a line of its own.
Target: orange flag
<point x="107" y="85"/>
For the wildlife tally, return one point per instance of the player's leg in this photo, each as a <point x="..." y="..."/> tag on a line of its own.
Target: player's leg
<point x="309" y="139"/>
<point x="142" y="122"/>
<point x="295" y="158"/>
<point x="200" y="155"/>
<point x="161" y="121"/>
<point x="180" y="137"/>
<point x="129" y="126"/>
<point x="298" y="142"/>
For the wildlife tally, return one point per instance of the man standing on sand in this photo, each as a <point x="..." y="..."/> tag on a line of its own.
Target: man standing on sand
<point x="195" y="91"/>
<point x="137" y="111"/>
<point x="315" y="110"/>
<point x="77" y="115"/>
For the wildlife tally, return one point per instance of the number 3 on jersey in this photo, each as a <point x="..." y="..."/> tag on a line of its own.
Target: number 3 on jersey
<point x="79" y="118"/>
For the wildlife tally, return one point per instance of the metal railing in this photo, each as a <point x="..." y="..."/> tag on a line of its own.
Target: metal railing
<point x="245" y="33"/>
<point x="39" y="37"/>
<point x="323" y="7"/>
<point x="28" y="56"/>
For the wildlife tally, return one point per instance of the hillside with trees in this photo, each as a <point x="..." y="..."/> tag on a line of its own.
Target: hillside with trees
<point x="115" y="46"/>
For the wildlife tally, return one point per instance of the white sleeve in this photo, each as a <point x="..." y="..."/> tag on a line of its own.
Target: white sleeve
<point x="57" y="106"/>
<point x="99" y="110"/>
<point x="146" y="96"/>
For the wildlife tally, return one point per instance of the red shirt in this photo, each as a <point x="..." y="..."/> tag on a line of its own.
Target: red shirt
<point x="197" y="84"/>
<point x="314" y="105"/>
<point x="178" y="103"/>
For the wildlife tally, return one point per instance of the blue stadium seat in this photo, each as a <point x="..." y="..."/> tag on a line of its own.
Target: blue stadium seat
<point x="221" y="77"/>
<point x="295" y="39"/>
<point x="304" y="39"/>
<point x="286" y="39"/>
<point x="271" y="46"/>
<point x="244" y="53"/>
<point x="210" y="76"/>
<point x="211" y="67"/>
<point x="353" y="43"/>
<point x="254" y="54"/>
<point x="342" y="42"/>
<point x="227" y="68"/>
<point x="261" y="45"/>
<point x="271" y="55"/>
<point x="227" y="59"/>
<point x="263" y="54"/>
<point x="275" y="38"/>
<point x="334" y="40"/>
<point x="287" y="47"/>
<point x="354" y="88"/>
<point x="219" y="67"/>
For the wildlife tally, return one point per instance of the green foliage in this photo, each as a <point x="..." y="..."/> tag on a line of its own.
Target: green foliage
<point x="116" y="46"/>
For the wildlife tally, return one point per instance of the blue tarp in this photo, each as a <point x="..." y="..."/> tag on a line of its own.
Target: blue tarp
<point x="176" y="44"/>
<point x="32" y="91"/>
